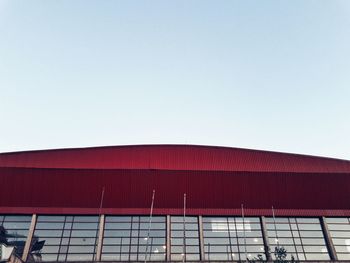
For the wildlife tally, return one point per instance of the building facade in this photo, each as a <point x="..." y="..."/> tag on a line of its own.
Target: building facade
<point x="173" y="203"/>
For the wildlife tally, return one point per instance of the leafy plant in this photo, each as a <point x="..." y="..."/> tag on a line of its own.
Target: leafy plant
<point x="280" y="254"/>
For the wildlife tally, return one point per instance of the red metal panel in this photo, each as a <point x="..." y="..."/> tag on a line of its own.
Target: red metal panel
<point x="206" y="190"/>
<point x="217" y="180"/>
<point x="174" y="211"/>
<point x="174" y="157"/>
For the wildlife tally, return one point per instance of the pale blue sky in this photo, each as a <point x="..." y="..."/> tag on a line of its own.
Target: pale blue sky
<point x="271" y="75"/>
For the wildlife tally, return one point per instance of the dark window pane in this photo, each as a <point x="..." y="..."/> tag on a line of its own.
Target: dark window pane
<point x="83" y="233"/>
<point x="45" y="225"/>
<point x="118" y="219"/>
<point x="86" y="219"/>
<point x="50" y="219"/>
<point x="85" y="226"/>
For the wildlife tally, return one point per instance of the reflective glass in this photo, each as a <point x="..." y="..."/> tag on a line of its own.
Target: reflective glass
<point x="316" y="256"/>
<point x="52" y="218"/>
<point x="343" y="256"/>
<point x="184" y="238"/>
<point x="223" y="234"/>
<point x="339" y="229"/>
<point x="80" y="257"/>
<point x="118" y="219"/>
<point x="14" y="231"/>
<point x="337" y="220"/>
<point x="302" y="237"/>
<point x="126" y="238"/>
<point x="65" y="238"/>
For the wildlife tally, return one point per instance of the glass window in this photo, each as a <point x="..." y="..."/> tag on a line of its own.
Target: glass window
<point x="339" y="229"/>
<point x="127" y="238"/>
<point x="231" y="238"/>
<point x="343" y="256"/>
<point x="14" y="231"/>
<point x="65" y="238"/>
<point x="337" y="220"/>
<point x="184" y="238"/>
<point x="302" y="237"/>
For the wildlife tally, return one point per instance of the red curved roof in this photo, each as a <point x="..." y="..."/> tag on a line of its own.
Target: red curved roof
<point x="217" y="180"/>
<point x="174" y="157"/>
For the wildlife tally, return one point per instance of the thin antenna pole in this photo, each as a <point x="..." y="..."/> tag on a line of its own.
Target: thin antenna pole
<point x="245" y="240"/>
<point x="149" y="225"/>
<point x="150" y="251"/>
<point x="184" y="232"/>
<point x="99" y="240"/>
<point x="274" y="223"/>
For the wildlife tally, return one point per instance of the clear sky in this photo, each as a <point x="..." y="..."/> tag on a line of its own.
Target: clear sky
<point x="271" y="75"/>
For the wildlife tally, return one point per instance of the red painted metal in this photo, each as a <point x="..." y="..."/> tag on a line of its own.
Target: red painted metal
<point x="216" y="180"/>
<point x="174" y="211"/>
<point x="174" y="157"/>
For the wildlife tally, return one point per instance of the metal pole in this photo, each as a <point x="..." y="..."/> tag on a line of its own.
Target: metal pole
<point x="149" y="225"/>
<point x="150" y="251"/>
<point x="245" y="241"/>
<point x="99" y="240"/>
<point x="274" y="223"/>
<point x="184" y="232"/>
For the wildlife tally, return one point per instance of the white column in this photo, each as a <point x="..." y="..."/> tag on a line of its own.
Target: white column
<point x="100" y="237"/>
<point x="168" y="240"/>
<point x="29" y="238"/>
<point x="201" y="238"/>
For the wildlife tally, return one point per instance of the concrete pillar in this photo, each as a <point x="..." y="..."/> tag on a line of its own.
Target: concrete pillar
<point x="168" y="238"/>
<point x="328" y="239"/>
<point x="28" y="244"/>
<point x="201" y="238"/>
<point x="265" y="238"/>
<point x="100" y="237"/>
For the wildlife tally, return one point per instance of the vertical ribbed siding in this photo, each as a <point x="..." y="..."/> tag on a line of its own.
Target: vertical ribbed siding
<point x="174" y="157"/>
<point x="204" y="189"/>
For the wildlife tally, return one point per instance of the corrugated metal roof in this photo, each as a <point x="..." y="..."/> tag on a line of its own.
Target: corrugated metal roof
<point x="174" y="157"/>
<point x="217" y="180"/>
